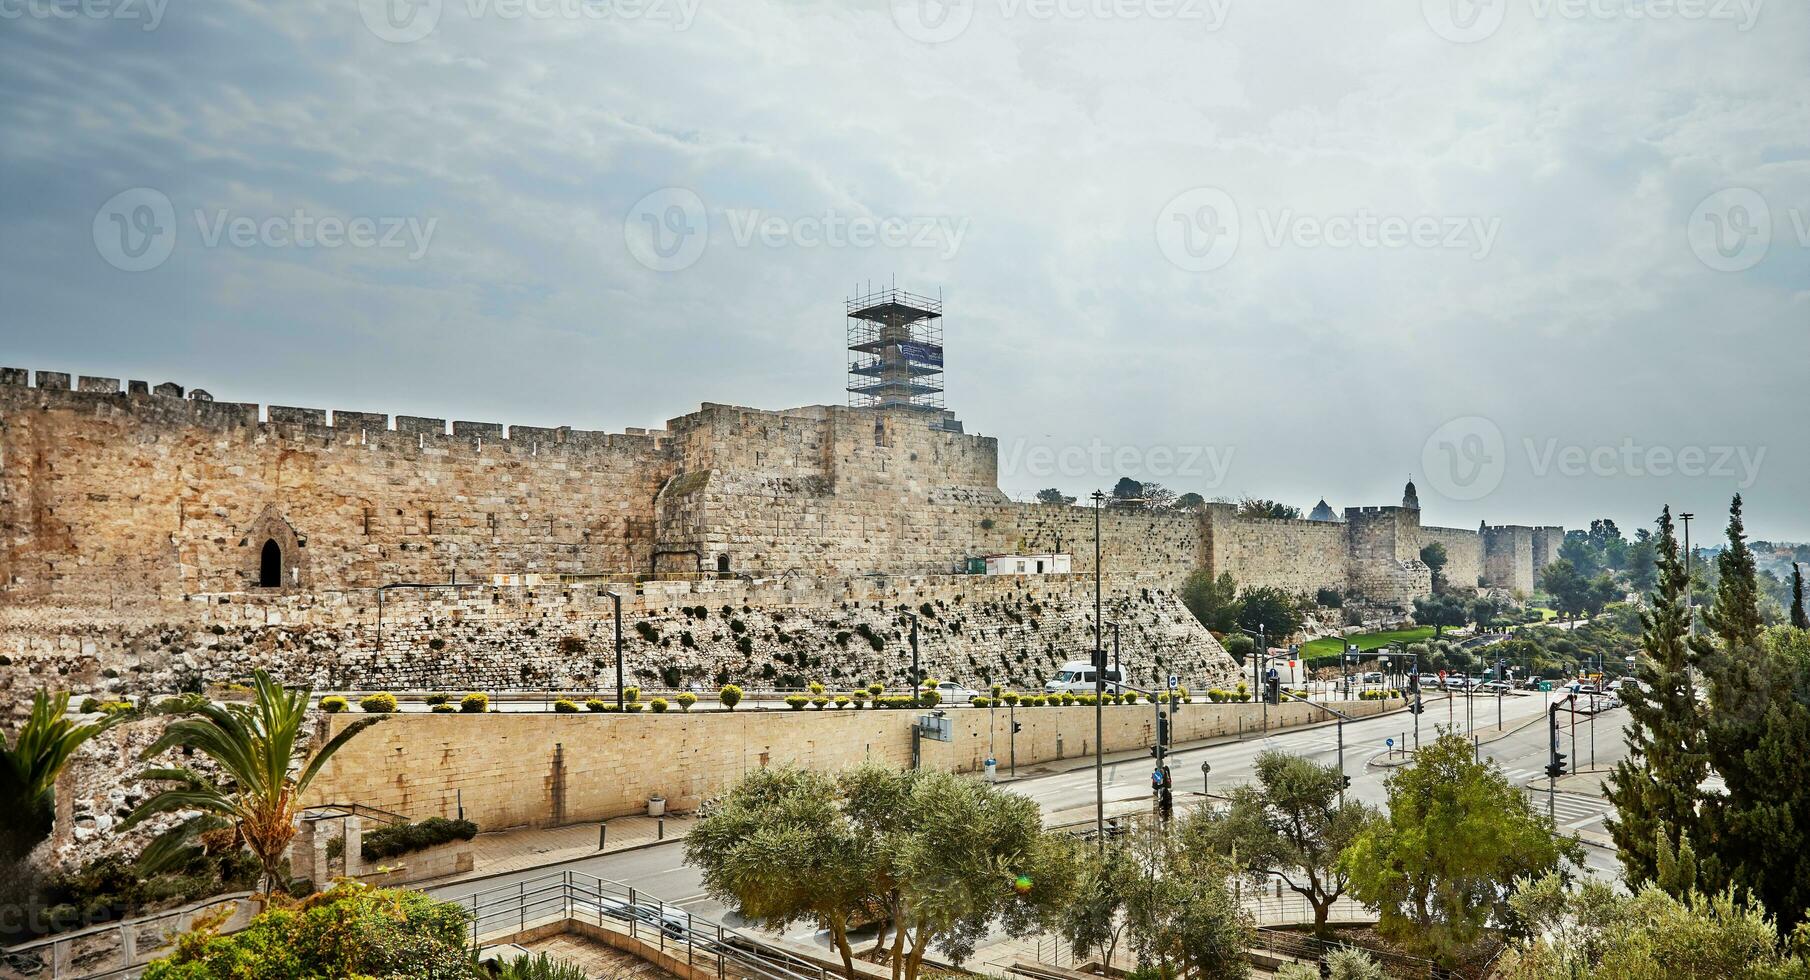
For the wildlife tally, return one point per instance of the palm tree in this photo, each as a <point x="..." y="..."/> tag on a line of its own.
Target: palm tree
<point x="29" y="770"/>
<point x="255" y="746"/>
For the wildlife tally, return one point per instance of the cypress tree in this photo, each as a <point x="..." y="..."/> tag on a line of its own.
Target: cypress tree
<point x="1757" y="733"/>
<point x="1657" y="788"/>
<point x="1798" y="617"/>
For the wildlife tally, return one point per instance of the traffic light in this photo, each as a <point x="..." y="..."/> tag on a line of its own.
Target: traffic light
<point x="1344" y="782"/>
<point x="1556" y="767"/>
<point x="1162" y="729"/>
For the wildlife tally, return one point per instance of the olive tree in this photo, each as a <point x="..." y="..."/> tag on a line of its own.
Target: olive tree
<point x="1290" y="822"/>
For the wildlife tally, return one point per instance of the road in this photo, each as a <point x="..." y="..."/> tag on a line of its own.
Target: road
<point x="1068" y="795"/>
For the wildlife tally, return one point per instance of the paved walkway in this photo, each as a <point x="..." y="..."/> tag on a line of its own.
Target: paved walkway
<point x="531" y="847"/>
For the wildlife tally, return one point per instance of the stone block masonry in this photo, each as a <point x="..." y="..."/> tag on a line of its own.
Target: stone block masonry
<point x="179" y="534"/>
<point x="543" y="770"/>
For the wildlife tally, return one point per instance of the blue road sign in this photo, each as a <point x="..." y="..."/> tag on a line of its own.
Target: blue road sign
<point x="1389" y="742"/>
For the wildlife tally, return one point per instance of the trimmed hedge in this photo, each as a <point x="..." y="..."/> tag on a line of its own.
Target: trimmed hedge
<point x="334" y="704"/>
<point x="397" y="839"/>
<point x="474" y="703"/>
<point x="381" y="703"/>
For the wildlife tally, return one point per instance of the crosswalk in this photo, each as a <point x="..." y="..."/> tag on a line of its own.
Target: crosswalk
<point x="1570" y="810"/>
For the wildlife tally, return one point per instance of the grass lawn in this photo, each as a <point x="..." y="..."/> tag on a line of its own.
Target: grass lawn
<point x="1329" y="646"/>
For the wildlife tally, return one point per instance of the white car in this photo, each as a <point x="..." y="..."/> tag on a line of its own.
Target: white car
<point x="949" y="692"/>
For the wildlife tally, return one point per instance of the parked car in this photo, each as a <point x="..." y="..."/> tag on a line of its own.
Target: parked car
<point x="1077" y="677"/>
<point x="1492" y="687"/>
<point x="949" y="692"/>
<point x="1372" y="677"/>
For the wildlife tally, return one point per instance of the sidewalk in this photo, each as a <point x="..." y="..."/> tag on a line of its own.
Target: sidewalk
<point x="531" y="847"/>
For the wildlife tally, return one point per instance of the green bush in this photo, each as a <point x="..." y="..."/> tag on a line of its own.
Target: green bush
<point x="474" y="703"/>
<point x="686" y="700"/>
<point x="437" y="698"/>
<point x="334" y="704"/>
<point x="745" y="644"/>
<point x="539" y="967"/>
<point x="820" y="701"/>
<point x="797" y="701"/>
<point x="443" y="709"/>
<point x="1129" y="697"/>
<point x="401" y="838"/>
<point x="381" y="703"/>
<point x="647" y="631"/>
<point x="981" y="701"/>
<point x="1010" y="698"/>
<point x="815" y="687"/>
<point x="596" y="704"/>
<point x="658" y="704"/>
<point x="930" y="697"/>
<point x="876" y="689"/>
<point x="565" y="706"/>
<point x="730" y="695"/>
<point x="842" y="701"/>
<point x="351" y="931"/>
<point x="631" y="693"/>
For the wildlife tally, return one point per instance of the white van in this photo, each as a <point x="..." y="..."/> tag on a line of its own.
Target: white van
<point x="1077" y="677"/>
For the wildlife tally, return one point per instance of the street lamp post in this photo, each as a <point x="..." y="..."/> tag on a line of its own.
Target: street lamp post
<point x="616" y="604"/>
<point x="1099" y="662"/>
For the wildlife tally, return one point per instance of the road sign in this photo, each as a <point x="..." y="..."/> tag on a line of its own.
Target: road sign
<point x="1174" y="682"/>
<point x="1389" y="742"/>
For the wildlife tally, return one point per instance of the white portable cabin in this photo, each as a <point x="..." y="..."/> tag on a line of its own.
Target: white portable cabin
<point x="1045" y="564"/>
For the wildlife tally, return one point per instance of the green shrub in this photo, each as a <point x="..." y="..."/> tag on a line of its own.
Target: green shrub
<point x="737" y="627"/>
<point x="745" y="644"/>
<point x="647" y="631"/>
<point x="443" y="709"/>
<point x="631" y="693"/>
<point x="633" y="705"/>
<point x="820" y="702"/>
<point x="730" y="695"/>
<point x="1130" y="697"/>
<point x="686" y="699"/>
<point x="334" y="704"/>
<point x="982" y="701"/>
<point x="1068" y="697"/>
<point x="565" y="706"/>
<point x="816" y="687"/>
<point x="658" y="704"/>
<point x="401" y="838"/>
<point x="842" y="701"/>
<point x="1009" y="698"/>
<point x="352" y="930"/>
<point x="876" y="689"/>
<point x="381" y="703"/>
<point x="474" y="703"/>
<point x="596" y="704"/>
<point x="797" y="701"/>
<point x="930" y="697"/>
<point x="437" y="698"/>
<point x="539" y="967"/>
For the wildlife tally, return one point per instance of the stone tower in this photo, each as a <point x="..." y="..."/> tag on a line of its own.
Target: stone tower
<point x="1409" y="499"/>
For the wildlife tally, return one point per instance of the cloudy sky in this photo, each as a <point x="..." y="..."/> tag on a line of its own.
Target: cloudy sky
<point x="1550" y="257"/>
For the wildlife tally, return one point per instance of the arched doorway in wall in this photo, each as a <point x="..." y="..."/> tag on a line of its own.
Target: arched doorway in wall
<point x="270" y="565"/>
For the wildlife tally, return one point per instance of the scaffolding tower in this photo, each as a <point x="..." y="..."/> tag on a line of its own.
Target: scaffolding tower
<point x="895" y="350"/>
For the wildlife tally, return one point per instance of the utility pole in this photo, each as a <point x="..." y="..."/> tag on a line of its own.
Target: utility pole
<point x="616" y="604"/>
<point x="1099" y="663"/>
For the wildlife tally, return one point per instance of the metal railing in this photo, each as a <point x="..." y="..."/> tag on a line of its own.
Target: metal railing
<point x="111" y="948"/>
<point x="507" y="911"/>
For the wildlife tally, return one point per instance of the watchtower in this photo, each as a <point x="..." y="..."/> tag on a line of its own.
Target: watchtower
<point x="895" y="350"/>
